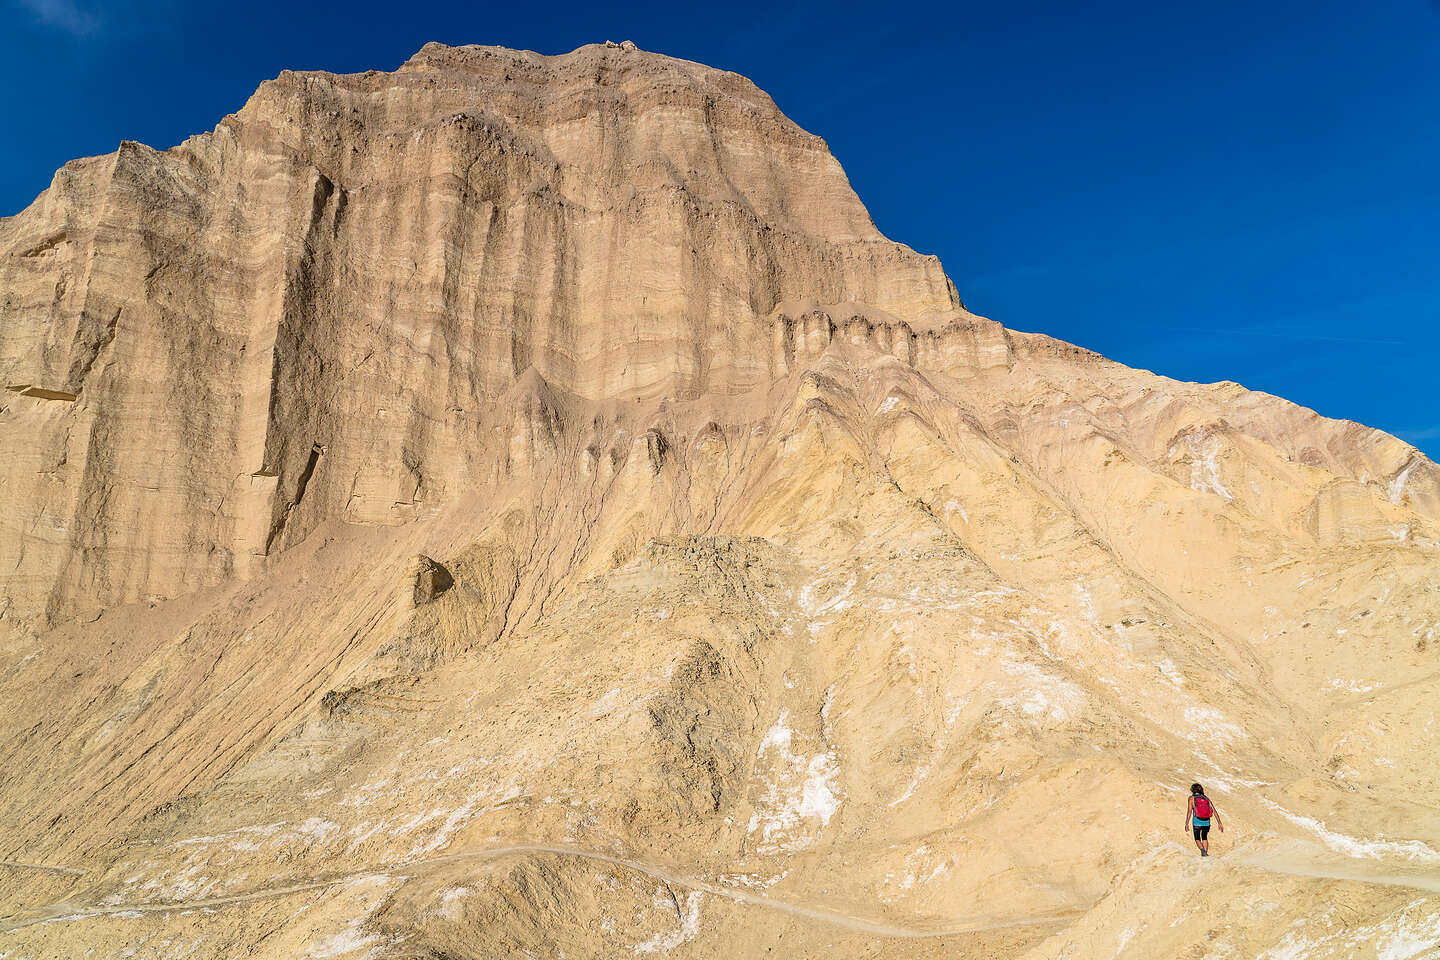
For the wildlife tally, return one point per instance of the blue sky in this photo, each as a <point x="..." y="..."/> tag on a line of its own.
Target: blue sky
<point x="1213" y="191"/>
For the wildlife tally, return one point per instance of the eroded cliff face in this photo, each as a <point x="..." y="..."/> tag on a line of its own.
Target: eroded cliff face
<point x="520" y="503"/>
<point x="312" y="311"/>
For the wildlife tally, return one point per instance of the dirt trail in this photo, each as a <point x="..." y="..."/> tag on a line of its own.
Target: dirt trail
<point x="1273" y="862"/>
<point x="60" y="912"/>
<point x="1297" y="865"/>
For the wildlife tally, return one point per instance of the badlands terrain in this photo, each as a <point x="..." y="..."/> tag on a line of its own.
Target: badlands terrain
<point x="519" y="505"/>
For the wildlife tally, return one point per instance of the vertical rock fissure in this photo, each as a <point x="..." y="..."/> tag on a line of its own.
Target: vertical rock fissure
<point x="300" y="484"/>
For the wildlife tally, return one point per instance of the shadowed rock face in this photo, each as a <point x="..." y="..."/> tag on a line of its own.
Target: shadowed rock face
<point x="522" y="503"/>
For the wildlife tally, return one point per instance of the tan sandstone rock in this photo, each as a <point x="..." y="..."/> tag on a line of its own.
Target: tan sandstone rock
<point x="758" y="599"/>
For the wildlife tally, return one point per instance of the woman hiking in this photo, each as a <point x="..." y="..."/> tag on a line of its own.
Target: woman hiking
<point x="1198" y="812"/>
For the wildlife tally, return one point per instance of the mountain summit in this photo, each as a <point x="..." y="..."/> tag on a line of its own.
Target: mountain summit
<point x="520" y="505"/>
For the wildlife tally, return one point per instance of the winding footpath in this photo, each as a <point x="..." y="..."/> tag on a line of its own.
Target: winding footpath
<point x="1282" y="862"/>
<point x="62" y="912"/>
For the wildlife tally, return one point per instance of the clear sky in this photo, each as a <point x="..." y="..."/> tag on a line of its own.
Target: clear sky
<point x="1213" y="191"/>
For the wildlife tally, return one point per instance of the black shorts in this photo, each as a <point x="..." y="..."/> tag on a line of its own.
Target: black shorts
<point x="1202" y="833"/>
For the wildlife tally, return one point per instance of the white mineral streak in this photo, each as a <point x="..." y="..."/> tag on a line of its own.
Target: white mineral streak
<point x="689" y="921"/>
<point x="801" y="795"/>
<point x="1204" y="469"/>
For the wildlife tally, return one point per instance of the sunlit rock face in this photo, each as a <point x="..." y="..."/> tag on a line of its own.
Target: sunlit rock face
<point x="521" y="504"/>
<point x="312" y="311"/>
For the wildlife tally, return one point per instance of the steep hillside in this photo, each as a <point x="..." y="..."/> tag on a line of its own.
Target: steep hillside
<point x="520" y="505"/>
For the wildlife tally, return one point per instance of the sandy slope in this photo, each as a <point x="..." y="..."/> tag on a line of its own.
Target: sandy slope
<point x="795" y="610"/>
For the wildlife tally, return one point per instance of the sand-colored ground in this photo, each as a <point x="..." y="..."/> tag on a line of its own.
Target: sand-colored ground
<point x="520" y="506"/>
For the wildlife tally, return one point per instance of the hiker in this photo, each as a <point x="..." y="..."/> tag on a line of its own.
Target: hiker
<point x="1198" y="812"/>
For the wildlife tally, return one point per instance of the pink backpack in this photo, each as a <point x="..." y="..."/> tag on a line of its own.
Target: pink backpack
<point x="1203" y="810"/>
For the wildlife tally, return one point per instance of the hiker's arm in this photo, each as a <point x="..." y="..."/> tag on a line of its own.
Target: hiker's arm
<point x="1189" y="806"/>
<point x="1218" y="822"/>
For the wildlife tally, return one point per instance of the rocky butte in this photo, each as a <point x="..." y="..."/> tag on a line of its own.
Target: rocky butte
<point x="520" y="505"/>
